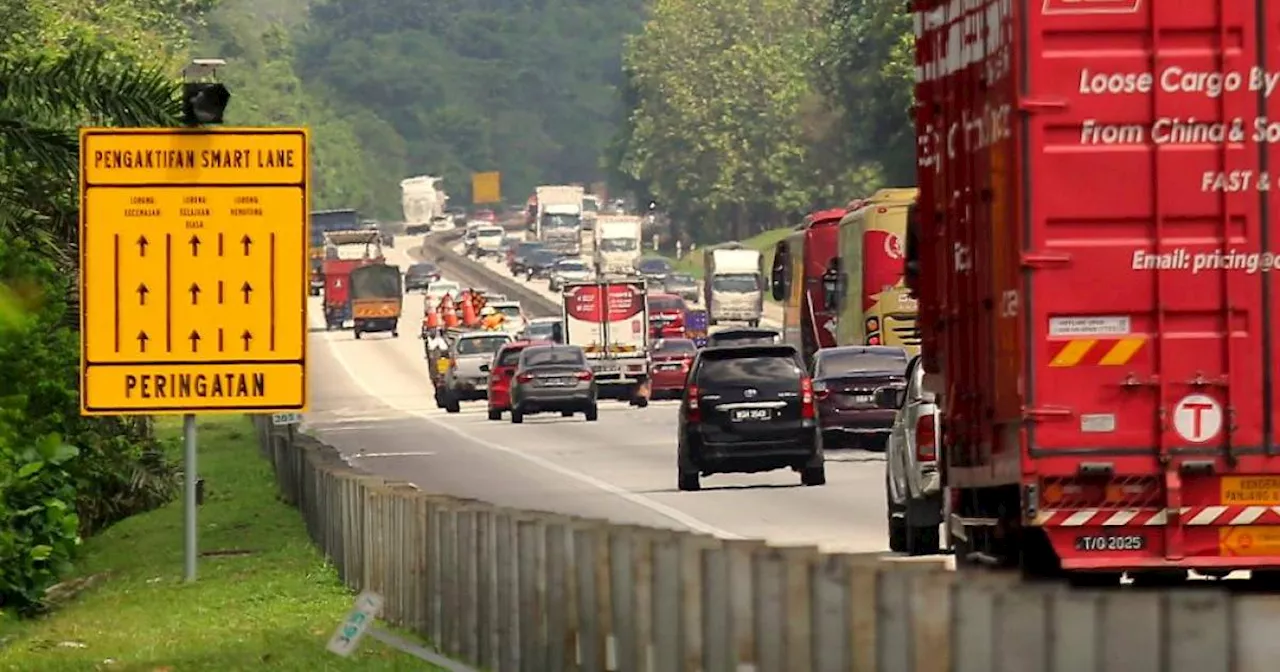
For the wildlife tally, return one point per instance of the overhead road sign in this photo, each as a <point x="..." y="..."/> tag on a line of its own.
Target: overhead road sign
<point x="193" y="270"/>
<point x="486" y="188"/>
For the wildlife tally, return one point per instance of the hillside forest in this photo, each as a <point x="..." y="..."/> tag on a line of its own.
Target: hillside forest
<point x="734" y="117"/>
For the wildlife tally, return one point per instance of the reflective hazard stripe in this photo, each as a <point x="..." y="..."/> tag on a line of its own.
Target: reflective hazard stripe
<point x="1094" y="351"/>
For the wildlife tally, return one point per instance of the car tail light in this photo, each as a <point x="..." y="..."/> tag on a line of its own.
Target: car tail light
<point x="820" y="390"/>
<point x="695" y="413"/>
<point x="926" y="439"/>
<point x="585" y="375"/>
<point x="807" y="409"/>
<point x="524" y="377"/>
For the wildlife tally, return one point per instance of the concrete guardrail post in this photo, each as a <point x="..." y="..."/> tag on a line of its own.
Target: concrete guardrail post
<point x="487" y="614"/>
<point x="532" y="575"/>
<point x="436" y="571"/>
<point x="978" y="596"/>
<point x="1255" y="646"/>
<point x="728" y="624"/>
<point x="895" y="645"/>
<point x="468" y="579"/>
<point x="561" y="580"/>
<point x="508" y="583"/>
<point x="830" y="614"/>
<point x="667" y="615"/>
<point x="797" y="591"/>
<point x="768" y="577"/>
<point x="692" y="586"/>
<point x="595" y="606"/>
<point x="626" y="605"/>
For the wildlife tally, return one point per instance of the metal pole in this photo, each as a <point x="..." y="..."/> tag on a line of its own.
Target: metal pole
<point x="189" y="493"/>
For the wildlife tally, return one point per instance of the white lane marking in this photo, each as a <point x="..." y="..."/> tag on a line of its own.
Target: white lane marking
<point x="639" y="500"/>
<point x="365" y="456"/>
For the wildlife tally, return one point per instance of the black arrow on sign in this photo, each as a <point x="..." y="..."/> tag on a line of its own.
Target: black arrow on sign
<point x="247" y="243"/>
<point x="142" y="246"/>
<point x="219" y="244"/>
<point x="195" y="293"/>
<point x="220" y="348"/>
<point x="247" y="338"/>
<point x="195" y="245"/>
<point x="219" y="292"/>
<point x="142" y="341"/>
<point x="195" y="340"/>
<point x="142" y="293"/>
<point x="246" y="289"/>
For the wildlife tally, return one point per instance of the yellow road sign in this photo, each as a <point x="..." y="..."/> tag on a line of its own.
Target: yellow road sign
<point x="486" y="188"/>
<point x="194" y="270"/>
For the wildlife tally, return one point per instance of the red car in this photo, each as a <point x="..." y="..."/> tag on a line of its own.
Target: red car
<point x="486" y="215"/>
<point x="846" y="381"/>
<point x="670" y="367"/>
<point x="666" y="316"/>
<point x="501" y="372"/>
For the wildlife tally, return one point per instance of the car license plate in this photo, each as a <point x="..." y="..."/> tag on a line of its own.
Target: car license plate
<point x="608" y="368"/>
<point x="752" y="414"/>
<point x="668" y="367"/>
<point x="556" y="382"/>
<point x="864" y="398"/>
<point x="1111" y="542"/>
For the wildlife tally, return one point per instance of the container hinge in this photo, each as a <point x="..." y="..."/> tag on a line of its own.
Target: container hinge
<point x="1200" y="381"/>
<point x="1033" y="105"/>
<point x="1042" y="413"/>
<point x="1044" y="259"/>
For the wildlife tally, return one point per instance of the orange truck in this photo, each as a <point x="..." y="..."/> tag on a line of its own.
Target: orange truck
<point x="377" y="292"/>
<point x="1093" y="259"/>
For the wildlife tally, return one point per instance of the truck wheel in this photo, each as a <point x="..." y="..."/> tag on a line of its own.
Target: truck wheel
<point x="688" y="482"/>
<point x="897" y="522"/>
<point x="924" y="540"/>
<point x="451" y="404"/>
<point x="811" y="476"/>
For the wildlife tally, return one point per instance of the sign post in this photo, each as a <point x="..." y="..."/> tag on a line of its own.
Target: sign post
<point x="193" y="276"/>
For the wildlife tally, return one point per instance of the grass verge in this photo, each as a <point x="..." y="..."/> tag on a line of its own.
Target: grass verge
<point x="265" y="598"/>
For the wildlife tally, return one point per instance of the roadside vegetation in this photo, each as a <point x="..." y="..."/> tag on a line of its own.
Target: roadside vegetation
<point x="264" y="598"/>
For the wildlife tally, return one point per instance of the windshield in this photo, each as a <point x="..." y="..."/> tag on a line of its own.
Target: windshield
<point x="445" y="287"/>
<point x="553" y="357"/>
<point x="324" y="222"/>
<point x="561" y="221"/>
<point x="481" y="345"/>
<point x="619" y="245"/>
<point x="376" y="282"/>
<point x="571" y="266"/>
<point x="665" y="304"/>
<point x="654" y="266"/>
<point x="836" y="363"/>
<point x="509" y="311"/>
<point x="423" y="269"/>
<point x="510" y="356"/>
<point x="747" y="371"/>
<point x="681" y="281"/>
<point x="528" y="248"/>
<point x="723" y="338"/>
<point x="490" y="232"/>
<point x="544" y="331"/>
<point x="738" y="283"/>
<point x="670" y="346"/>
<point x="543" y="257"/>
<point x="590" y="205"/>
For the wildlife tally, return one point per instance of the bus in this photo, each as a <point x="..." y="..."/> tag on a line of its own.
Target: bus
<point x="873" y="304"/>
<point x="795" y="280"/>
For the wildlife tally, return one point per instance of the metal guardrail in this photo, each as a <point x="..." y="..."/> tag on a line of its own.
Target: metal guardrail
<point x="438" y="247"/>
<point x="505" y="589"/>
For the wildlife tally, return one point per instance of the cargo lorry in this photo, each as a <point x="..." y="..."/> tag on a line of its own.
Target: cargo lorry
<point x="801" y="262"/>
<point x="1090" y="256"/>
<point x="558" y="219"/>
<point x="733" y="284"/>
<point x="422" y="201"/>
<point x="610" y="321"/>
<point x="618" y="240"/>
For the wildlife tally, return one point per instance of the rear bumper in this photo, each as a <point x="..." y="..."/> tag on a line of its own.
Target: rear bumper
<point x="667" y="381"/>
<point x="554" y="400"/>
<point x="802" y="449"/>
<point x="869" y="422"/>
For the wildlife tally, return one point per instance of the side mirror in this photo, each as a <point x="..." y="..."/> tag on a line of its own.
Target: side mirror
<point x="484" y="368"/>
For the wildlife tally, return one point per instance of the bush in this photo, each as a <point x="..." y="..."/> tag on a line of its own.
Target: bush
<point x="61" y="476"/>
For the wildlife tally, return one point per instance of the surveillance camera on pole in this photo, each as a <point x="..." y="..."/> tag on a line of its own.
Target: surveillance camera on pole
<point x="203" y="98"/>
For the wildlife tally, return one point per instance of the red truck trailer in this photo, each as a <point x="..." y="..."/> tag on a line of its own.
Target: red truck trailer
<point x="1091" y="250"/>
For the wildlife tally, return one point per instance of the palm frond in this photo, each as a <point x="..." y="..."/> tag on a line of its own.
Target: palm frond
<point x="53" y="149"/>
<point x="86" y="82"/>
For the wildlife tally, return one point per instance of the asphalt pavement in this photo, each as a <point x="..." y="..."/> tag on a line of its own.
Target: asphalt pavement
<point x="372" y="400"/>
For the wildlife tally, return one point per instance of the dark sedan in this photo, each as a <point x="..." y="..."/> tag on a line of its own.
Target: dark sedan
<point x="519" y="255"/>
<point x="654" y="269"/>
<point x="539" y="264"/>
<point x="845" y="381"/>
<point x="682" y="285"/>
<point x="420" y="275"/>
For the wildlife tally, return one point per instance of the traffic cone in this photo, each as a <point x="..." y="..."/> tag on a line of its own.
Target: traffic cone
<point x="468" y="314"/>
<point x="432" y="320"/>
<point x="450" y="319"/>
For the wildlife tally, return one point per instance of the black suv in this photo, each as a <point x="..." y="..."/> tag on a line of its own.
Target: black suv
<point x="420" y="275"/>
<point x="747" y="409"/>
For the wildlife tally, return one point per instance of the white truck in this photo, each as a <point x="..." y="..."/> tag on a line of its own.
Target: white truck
<point x="558" y="222"/>
<point x="733" y="284"/>
<point x="422" y="201"/>
<point x="590" y="214"/>
<point x="610" y="321"/>
<point x="618" y="240"/>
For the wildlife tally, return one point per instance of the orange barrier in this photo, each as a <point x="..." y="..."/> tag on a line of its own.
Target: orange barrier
<point x="469" y="318"/>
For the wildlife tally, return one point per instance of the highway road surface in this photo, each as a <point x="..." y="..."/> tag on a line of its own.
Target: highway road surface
<point x="372" y="400"/>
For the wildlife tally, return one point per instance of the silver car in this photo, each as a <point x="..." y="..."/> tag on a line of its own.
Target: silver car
<point x="552" y="378"/>
<point x="912" y="484"/>
<point x="469" y="361"/>
<point x="569" y="270"/>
